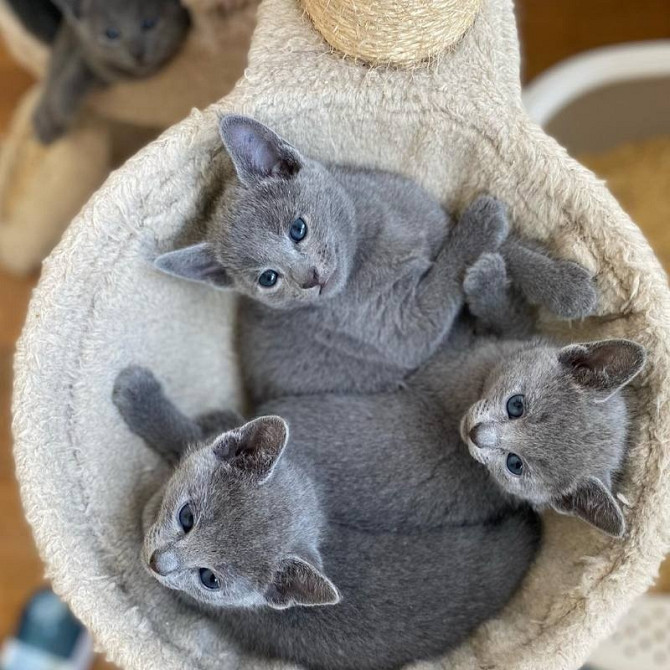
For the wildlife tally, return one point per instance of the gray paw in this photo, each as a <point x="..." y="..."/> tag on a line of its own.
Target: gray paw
<point x="487" y="273"/>
<point x="483" y="227"/>
<point x="574" y="294"/>
<point x="134" y="389"/>
<point x="48" y="128"/>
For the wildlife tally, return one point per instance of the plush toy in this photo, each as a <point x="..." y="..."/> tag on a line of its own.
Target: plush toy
<point x="43" y="187"/>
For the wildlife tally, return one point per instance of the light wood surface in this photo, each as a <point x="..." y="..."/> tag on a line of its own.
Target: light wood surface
<point x="551" y="30"/>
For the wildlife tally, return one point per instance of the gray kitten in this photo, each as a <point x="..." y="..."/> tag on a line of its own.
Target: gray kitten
<point x="100" y="42"/>
<point x="551" y="423"/>
<point x="240" y="529"/>
<point x="350" y="278"/>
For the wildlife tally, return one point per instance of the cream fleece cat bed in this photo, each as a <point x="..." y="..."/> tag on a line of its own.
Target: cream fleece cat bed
<point x="454" y="122"/>
<point x="43" y="187"/>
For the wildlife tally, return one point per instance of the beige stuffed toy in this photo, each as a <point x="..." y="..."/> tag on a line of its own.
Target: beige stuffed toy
<point x="43" y="187"/>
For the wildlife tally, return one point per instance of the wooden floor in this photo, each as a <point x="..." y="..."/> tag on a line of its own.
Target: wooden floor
<point x="551" y="30"/>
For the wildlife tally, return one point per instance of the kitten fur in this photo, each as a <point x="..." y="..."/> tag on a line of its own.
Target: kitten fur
<point x="99" y="43"/>
<point x="374" y="287"/>
<point x="297" y="585"/>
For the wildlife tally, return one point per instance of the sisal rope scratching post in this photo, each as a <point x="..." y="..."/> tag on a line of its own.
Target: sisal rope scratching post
<point x="398" y="33"/>
<point x="456" y="125"/>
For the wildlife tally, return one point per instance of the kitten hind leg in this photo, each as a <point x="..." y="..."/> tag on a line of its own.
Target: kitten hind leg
<point x="565" y="288"/>
<point x="148" y="412"/>
<point x="493" y="300"/>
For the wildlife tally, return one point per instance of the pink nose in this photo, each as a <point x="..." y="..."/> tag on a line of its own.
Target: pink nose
<point x="163" y="562"/>
<point x="313" y="281"/>
<point x="484" y="435"/>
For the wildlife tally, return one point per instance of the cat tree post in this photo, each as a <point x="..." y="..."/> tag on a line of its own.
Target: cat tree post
<point x="397" y="33"/>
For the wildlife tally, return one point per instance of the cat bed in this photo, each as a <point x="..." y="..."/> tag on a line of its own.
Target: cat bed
<point x="37" y="201"/>
<point x="453" y="121"/>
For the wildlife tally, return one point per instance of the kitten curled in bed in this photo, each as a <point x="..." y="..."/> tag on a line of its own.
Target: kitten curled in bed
<point x="244" y="529"/>
<point x="100" y="42"/>
<point x="350" y="278"/>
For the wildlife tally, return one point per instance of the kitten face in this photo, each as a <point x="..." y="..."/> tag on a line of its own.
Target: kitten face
<point x="256" y="238"/>
<point x="283" y="233"/>
<point x="229" y="532"/>
<point x="177" y="558"/>
<point x="133" y="36"/>
<point x="550" y="420"/>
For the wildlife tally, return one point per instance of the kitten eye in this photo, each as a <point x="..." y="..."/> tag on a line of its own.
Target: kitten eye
<point x="112" y="34"/>
<point x="298" y="230"/>
<point x="149" y="24"/>
<point x="209" y="580"/>
<point x="516" y="406"/>
<point x="186" y="519"/>
<point x="514" y="464"/>
<point x="268" y="279"/>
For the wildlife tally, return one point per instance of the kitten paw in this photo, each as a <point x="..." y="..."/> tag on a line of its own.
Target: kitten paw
<point x="135" y="388"/>
<point x="485" y="275"/>
<point x="572" y="293"/>
<point x="47" y="127"/>
<point x="482" y="228"/>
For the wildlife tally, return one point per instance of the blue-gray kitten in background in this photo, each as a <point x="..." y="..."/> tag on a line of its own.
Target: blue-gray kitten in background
<point x="351" y="278"/>
<point x="100" y="42"/>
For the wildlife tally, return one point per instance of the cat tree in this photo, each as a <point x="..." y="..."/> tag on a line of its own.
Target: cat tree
<point x="450" y="117"/>
<point x="43" y="188"/>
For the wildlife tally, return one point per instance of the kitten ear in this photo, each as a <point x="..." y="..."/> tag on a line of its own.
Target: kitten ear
<point x="605" y="366"/>
<point x="255" y="447"/>
<point x="256" y="151"/>
<point x="195" y="263"/>
<point x="594" y="503"/>
<point x="300" y="583"/>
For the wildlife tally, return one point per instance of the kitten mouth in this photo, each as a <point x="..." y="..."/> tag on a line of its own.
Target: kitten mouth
<point x="329" y="285"/>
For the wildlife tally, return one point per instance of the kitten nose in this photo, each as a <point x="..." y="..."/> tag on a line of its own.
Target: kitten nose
<point x="313" y="281"/>
<point x="484" y="435"/>
<point x="163" y="562"/>
<point x="137" y="51"/>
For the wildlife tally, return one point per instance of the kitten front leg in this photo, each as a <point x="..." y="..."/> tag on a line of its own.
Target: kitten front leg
<point x="68" y="81"/>
<point x="148" y="413"/>
<point x="437" y="299"/>
<point x="565" y="288"/>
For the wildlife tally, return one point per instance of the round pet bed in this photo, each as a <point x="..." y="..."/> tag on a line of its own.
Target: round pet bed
<point x="453" y="121"/>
